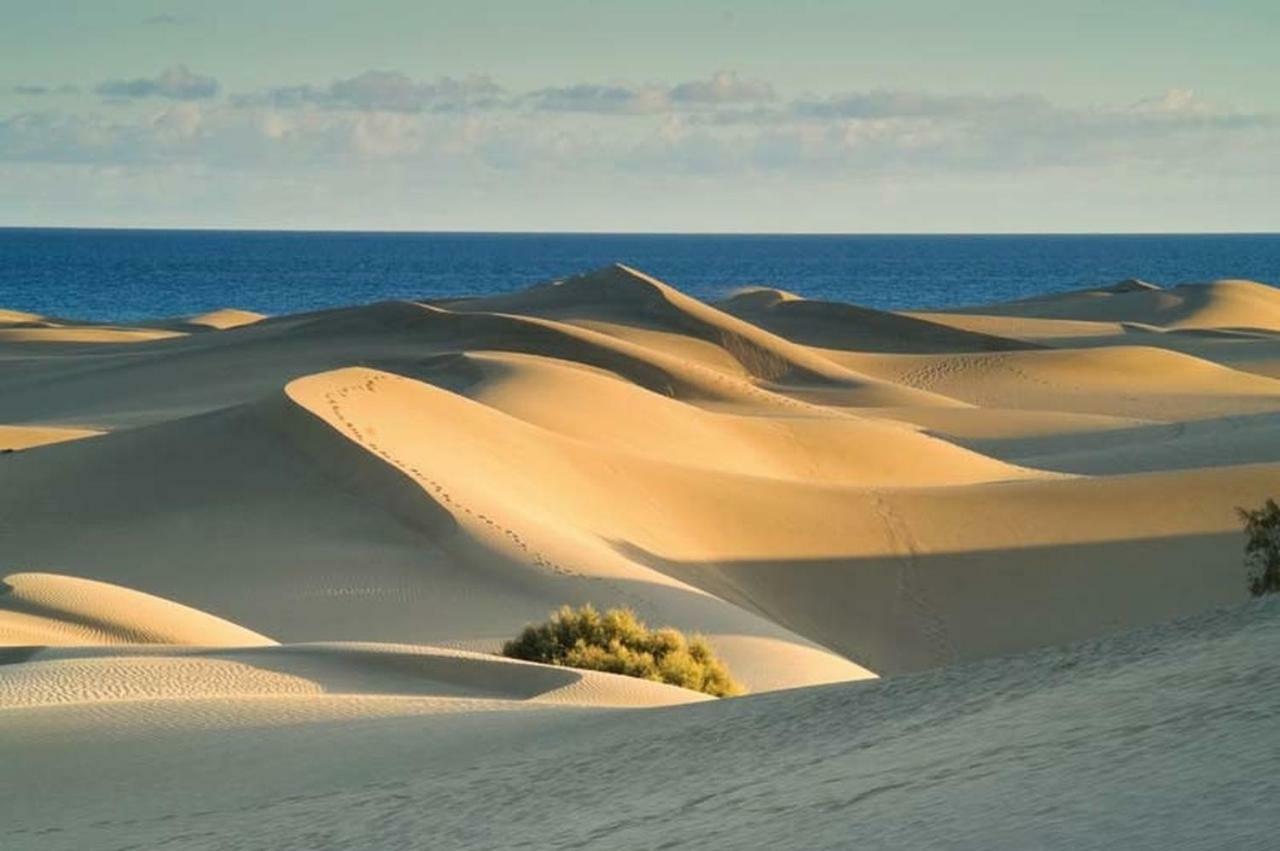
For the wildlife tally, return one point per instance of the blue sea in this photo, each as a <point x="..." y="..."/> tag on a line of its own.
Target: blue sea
<point x="136" y="274"/>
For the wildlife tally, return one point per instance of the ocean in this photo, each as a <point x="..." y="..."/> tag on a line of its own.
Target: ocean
<point x="139" y="274"/>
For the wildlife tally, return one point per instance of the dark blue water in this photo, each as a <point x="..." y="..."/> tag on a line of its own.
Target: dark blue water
<point x="117" y="274"/>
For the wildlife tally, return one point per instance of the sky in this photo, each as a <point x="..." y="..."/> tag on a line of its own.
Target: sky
<point x="850" y="117"/>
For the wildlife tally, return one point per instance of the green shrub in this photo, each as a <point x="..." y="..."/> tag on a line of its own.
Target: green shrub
<point x="619" y="643"/>
<point x="1262" y="550"/>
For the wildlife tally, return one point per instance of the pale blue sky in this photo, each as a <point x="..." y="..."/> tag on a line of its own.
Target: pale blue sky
<point x="986" y="115"/>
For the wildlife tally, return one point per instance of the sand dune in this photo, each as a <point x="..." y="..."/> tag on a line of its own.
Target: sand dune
<point x="48" y="609"/>
<point x="555" y="439"/>
<point x="13" y="438"/>
<point x="627" y="297"/>
<point x="20" y="326"/>
<point x="206" y="372"/>
<point x="350" y="678"/>
<point x="19" y="317"/>
<point x="1128" y="381"/>
<point x="82" y="334"/>
<point x="292" y="566"/>
<point x="624" y="303"/>
<point x="227" y="317"/>
<point x="829" y="493"/>
<point x="1187" y="705"/>
<point x="814" y="445"/>
<point x="832" y="325"/>
<point x="1227" y="304"/>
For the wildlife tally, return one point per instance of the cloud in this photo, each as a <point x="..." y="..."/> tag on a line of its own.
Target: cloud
<point x="720" y="126"/>
<point x="389" y="91"/>
<point x="1175" y="102"/>
<point x="885" y="103"/>
<point x="37" y="89"/>
<point x="588" y="97"/>
<point x="395" y="91"/>
<point x="176" y="83"/>
<point x="723" y="87"/>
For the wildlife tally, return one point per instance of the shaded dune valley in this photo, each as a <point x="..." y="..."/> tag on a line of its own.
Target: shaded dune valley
<point x="979" y="570"/>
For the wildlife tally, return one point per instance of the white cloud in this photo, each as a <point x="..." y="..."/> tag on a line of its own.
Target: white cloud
<point x="588" y="97"/>
<point x="176" y="83"/>
<point x="721" y="125"/>
<point x="1175" y="102"/>
<point x="887" y="103"/>
<point x="179" y="123"/>
<point x="389" y="91"/>
<point x="723" y="87"/>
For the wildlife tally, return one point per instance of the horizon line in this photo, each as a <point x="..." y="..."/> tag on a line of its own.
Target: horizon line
<point x="710" y="233"/>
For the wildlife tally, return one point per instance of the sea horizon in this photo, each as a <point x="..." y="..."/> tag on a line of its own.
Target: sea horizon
<point x="120" y="274"/>
<point x="571" y="232"/>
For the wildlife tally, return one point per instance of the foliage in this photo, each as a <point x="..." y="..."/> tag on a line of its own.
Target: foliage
<point x="618" y="642"/>
<point x="1262" y="550"/>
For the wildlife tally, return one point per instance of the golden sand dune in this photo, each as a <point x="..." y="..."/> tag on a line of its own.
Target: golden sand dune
<point x="623" y="296"/>
<point x="19" y="317"/>
<point x="833" y="325"/>
<point x="1121" y="380"/>
<point x="50" y="333"/>
<point x="812" y="444"/>
<point x="227" y="317"/>
<point x="828" y="493"/>
<point x="1252" y="351"/>
<point x="204" y="372"/>
<point x="15" y="437"/>
<point x="609" y="439"/>
<point x="48" y="609"/>
<point x="297" y="565"/>
<point x="622" y="302"/>
<point x="21" y="327"/>
<point x="1227" y="304"/>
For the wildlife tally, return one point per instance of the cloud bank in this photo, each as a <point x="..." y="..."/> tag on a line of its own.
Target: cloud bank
<point x="390" y="91"/>
<point x="723" y="131"/>
<point x="176" y="83"/>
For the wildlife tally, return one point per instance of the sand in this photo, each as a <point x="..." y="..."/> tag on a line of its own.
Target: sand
<point x="1142" y="741"/>
<point x="274" y="539"/>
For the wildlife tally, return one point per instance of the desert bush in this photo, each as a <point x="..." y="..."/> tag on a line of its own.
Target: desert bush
<point x="618" y="642"/>
<point x="1262" y="549"/>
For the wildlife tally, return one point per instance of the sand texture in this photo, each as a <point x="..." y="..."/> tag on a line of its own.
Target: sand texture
<point x="256" y="569"/>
